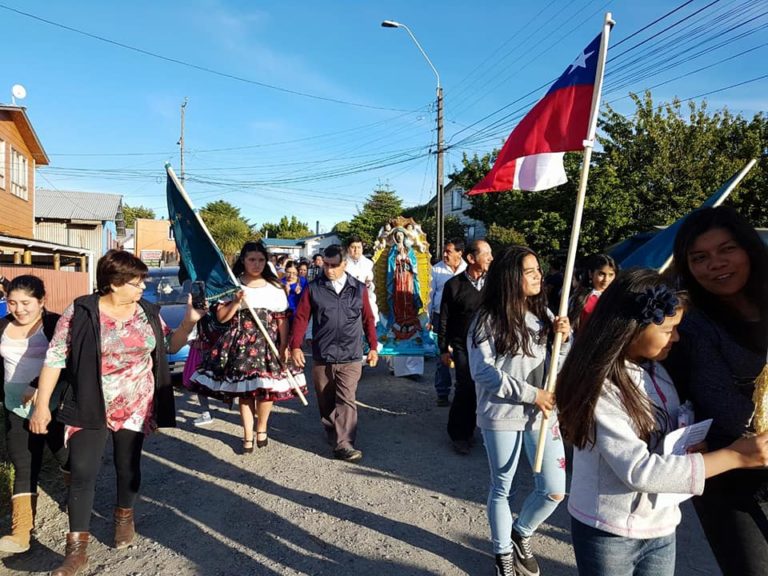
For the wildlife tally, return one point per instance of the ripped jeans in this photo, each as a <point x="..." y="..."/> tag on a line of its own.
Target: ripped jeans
<point x="503" y="448"/>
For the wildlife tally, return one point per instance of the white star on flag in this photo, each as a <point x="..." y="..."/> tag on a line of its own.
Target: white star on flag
<point x="580" y="62"/>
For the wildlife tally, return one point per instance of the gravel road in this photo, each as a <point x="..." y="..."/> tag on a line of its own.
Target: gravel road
<point x="411" y="506"/>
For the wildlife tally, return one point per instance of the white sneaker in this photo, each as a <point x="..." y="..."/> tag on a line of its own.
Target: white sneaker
<point x="204" y="420"/>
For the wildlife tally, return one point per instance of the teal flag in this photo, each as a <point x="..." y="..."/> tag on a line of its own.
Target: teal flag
<point x="200" y="256"/>
<point x="658" y="250"/>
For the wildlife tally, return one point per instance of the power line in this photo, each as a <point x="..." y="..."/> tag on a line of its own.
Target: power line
<point x="196" y="66"/>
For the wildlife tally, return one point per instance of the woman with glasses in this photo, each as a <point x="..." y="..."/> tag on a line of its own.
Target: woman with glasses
<point x="111" y="349"/>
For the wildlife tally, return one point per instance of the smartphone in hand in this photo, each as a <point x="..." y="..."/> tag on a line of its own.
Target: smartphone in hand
<point x="198" y="295"/>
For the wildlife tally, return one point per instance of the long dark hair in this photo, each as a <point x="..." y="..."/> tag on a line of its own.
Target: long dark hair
<point x="597" y="358"/>
<point x="267" y="273"/>
<point x="579" y="299"/>
<point x="746" y="237"/>
<point x="503" y="305"/>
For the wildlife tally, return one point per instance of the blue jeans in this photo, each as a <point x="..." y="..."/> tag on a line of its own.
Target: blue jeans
<point x="599" y="553"/>
<point x="442" y="372"/>
<point x="503" y="448"/>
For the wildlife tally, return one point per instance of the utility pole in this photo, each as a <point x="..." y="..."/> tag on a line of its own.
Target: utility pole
<point x="439" y="184"/>
<point x="439" y="220"/>
<point x="181" y="139"/>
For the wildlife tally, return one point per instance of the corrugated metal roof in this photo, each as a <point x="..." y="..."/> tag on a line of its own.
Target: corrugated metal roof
<point x="68" y="205"/>
<point x="280" y="241"/>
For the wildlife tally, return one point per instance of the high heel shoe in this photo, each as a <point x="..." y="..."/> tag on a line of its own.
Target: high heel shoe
<point x="248" y="446"/>
<point x="262" y="443"/>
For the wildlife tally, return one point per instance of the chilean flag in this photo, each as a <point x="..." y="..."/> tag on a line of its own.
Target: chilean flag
<point x="532" y="157"/>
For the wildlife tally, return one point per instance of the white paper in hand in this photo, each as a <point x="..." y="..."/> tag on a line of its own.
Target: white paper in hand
<point x="678" y="442"/>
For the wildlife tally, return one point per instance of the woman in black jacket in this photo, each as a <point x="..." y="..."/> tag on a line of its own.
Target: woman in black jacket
<point x="111" y="347"/>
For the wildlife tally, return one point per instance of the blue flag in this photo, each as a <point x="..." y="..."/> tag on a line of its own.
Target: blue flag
<point x="199" y="254"/>
<point x="658" y="250"/>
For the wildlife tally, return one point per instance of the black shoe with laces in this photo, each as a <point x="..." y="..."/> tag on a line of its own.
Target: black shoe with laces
<point x="526" y="563"/>
<point x="505" y="565"/>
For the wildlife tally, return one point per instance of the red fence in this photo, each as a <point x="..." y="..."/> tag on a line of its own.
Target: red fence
<point x="61" y="286"/>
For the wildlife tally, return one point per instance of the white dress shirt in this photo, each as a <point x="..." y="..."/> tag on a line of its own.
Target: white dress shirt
<point x="441" y="273"/>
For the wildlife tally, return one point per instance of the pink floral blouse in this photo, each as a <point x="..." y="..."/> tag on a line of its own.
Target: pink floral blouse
<point x="127" y="380"/>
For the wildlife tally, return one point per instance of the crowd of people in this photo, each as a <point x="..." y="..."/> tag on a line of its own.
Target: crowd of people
<point x="643" y="353"/>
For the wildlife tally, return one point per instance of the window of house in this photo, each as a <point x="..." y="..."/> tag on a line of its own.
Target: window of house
<point x="457" y="199"/>
<point x="471" y="233"/>
<point x="19" y="173"/>
<point x="2" y="163"/>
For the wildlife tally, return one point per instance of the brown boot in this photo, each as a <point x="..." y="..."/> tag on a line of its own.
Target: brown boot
<point x="76" y="558"/>
<point x="124" y="530"/>
<point x="23" y="521"/>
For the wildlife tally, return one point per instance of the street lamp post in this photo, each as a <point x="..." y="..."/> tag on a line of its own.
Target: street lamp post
<point x="439" y="240"/>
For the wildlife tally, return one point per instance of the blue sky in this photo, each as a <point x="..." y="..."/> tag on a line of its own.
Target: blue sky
<point x="109" y="117"/>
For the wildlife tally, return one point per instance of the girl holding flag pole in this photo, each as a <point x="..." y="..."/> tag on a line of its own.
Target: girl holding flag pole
<point x="507" y="345"/>
<point x="241" y="364"/>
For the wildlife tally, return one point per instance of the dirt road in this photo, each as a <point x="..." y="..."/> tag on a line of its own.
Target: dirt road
<point x="410" y="507"/>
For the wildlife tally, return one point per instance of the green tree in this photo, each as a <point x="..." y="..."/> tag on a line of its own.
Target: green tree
<point x="499" y="237"/>
<point x="425" y="214"/>
<point x="227" y="226"/>
<point x="670" y="158"/>
<point x="131" y="213"/>
<point x="654" y="166"/>
<point x="341" y="228"/>
<point x="221" y="209"/>
<point x="286" y="228"/>
<point x="382" y="205"/>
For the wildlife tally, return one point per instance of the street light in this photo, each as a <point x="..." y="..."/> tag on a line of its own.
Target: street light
<point x="439" y="184"/>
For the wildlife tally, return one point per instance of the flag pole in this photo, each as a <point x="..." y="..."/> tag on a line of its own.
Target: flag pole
<point x="727" y="192"/>
<point x="291" y="380"/>
<point x="589" y="143"/>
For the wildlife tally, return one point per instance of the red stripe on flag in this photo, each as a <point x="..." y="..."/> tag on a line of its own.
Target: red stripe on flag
<point x="557" y="123"/>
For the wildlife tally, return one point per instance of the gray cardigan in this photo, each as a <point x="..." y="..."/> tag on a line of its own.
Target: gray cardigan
<point x="506" y="385"/>
<point x="615" y="483"/>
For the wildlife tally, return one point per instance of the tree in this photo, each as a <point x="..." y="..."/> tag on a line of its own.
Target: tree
<point x="425" y="214"/>
<point x="341" y="228"/>
<point x="286" y="228"/>
<point x="654" y="167"/>
<point x="380" y="207"/>
<point x="227" y="227"/>
<point x="221" y="209"/>
<point x="131" y="213"/>
<point x="499" y="237"/>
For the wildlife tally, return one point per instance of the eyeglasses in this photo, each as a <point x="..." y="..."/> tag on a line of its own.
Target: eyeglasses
<point x="138" y="285"/>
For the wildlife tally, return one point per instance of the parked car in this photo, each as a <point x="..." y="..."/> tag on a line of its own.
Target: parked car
<point x="164" y="289"/>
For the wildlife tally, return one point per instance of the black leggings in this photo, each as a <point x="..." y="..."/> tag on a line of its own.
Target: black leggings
<point x="86" y="451"/>
<point x="734" y="522"/>
<point x="26" y="451"/>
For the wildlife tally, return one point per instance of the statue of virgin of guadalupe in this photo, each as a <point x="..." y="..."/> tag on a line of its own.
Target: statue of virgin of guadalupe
<point x="403" y="288"/>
